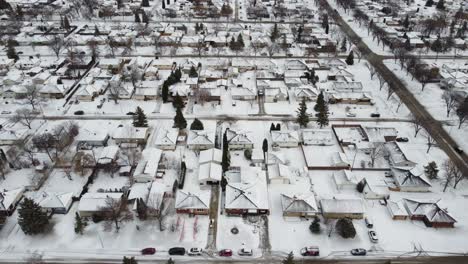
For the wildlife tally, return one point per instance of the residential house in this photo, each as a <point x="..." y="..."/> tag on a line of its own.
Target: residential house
<point x="397" y="210"/>
<point x="299" y="204"/>
<point x="376" y="189"/>
<point x="147" y="168"/>
<point x="108" y="155"/>
<point x="166" y="138"/>
<point x="429" y="212"/>
<point x="94" y="203"/>
<point x="345" y="179"/>
<point x="201" y="139"/>
<point x="192" y="203"/>
<point x="89" y="137"/>
<point x="55" y="202"/>
<point x="285" y="138"/>
<point x="279" y="174"/>
<point x="130" y="134"/>
<point x="9" y="199"/>
<point x="337" y="208"/>
<point x="398" y="156"/>
<point x="411" y="179"/>
<point x="238" y="140"/>
<point x="210" y="170"/>
<point x="320" y="137"/>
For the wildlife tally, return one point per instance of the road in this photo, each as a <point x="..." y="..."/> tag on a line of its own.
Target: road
<point x="434" y="127"/>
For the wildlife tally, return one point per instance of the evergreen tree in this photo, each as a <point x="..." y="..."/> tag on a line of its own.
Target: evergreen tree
<point x="350" y="58"/>
<point x="129" y="260"/>
<point x="179" y="119"/>
<point x="320" y="102"/>
<point x="274" y="33"/>
<point x="240" y="42"/>
<point x="406" y="22"/>
<point x="431" y="170"/>
<point x="177" y="75"/>
<point x="137" y="18"/>
<point x="31" y="218"/>
<point x="265" y="148"/>
<point x="163" y="5"/>
<point x="344" y="45"/>
<point x="315" y="226"/>
<point x="289" y="259"/>
<point x="322" y="118"/>
<point x="345" y="228"/>
<point x="142" y="209"/>
<point x="278" y="127"/>
<point x="80" y="224"/>
<point x="139" y="119"/>
<point x="11" y="50"/>
<point x="272" y="127"/>
<point x="165" y="91"/>
<point x="440" y="5"/>
<point x="327" y="29"/>
<point x="96" y="31"/>
<point x="66" y="23"/>
<point x="196" y="125"/>
<point x="360" y="186"/>
<point x="145" y="3"/>
<point x="178" y="102"/>
<point x="224" y="183"/>
<point x="226" y="158"/>
<point x="193" y="72"/>
<point x="233" y="44"/>
<point x="145" y="17"/>
<point x="302" y="116"/>
<point x="429" y="3"/>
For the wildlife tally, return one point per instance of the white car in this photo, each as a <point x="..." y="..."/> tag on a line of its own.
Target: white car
<point x="350" y="114"/>
<point x="245" y="252"/>
<point x="5" y="112"/>
<point x="195" y="252"/>
<point x="373" y="236"/>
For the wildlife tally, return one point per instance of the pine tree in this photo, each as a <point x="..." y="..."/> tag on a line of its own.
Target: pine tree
<point x="80" y="224"/>
<point x="315" y="226"/>
<point x="431" y="170"/>
<point x="274" y="33"/>
<point x="196" y="125"/>
<point x="145" y="3"/>
<point x="289" y="259"/>
<point x="177" y="74"/>
<point x="179" y="119"/>
<point x="137" y="18"/>
<point x="66" y="23"/>
<point x="142" y="209"/>
<point x="327" y="29"/>
<point x="272" y="127"/>
<point x="96" y="31"/>
<point x="178" y="102"/>
<point x="320" y="102"/>
<point x="440" y="5"/>
<point x="322" y="118"/>
<point x="278" y="127"/>
<point x="265" y="148"/>
<point x="240" y="42"/>
<point x="226" y="158"/>
<point x="165" y="91"/>
<point x="429" y="3"/>
<point x="31" y="218"/>
<point x="193" y="72"/>
<point x="139" y="119"/>
<point x="11" y="50"/>
<point x="145" y="17"/>
<point x="233" y="44"/>
<point x="129" y="260"/>
<point x="302" y="116"/>
<point x="360" y="185"/>
<point x="350" y="58"/>
<point x="345" y="228"/>
<point x="406" y="22"/>
<point x="163" y="5"/>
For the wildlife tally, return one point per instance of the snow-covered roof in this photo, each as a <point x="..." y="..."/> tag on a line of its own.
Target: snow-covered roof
<point x="94" y="202"/>
<point x="7" y="198"/>
<point x="284" y="136"/>
<point x="210" y="171"/>
<point x="139" y="190"/>
<point x="323" y="137"/>
<point x="210" y="155"/>
<point x="397" y="208"/>
<point x="342" y="206"/>
<point x="190" y="200"/>
<point x="238" y="137"/>
<point x="108" y="154"/>
<point x="167" y="137"/>
<point x="430" y="209"/>
<point x="201" y="137"/>
<point x="298" y="202"/>
<point x="413" y="177"/>
<point x="55" y="199"/>
<point x="131" y="133"/>
<point x="247" y="189"/>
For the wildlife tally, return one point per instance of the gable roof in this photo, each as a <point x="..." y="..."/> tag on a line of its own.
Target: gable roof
<point x="299" y="203"/>
<point x="188" y="200"/>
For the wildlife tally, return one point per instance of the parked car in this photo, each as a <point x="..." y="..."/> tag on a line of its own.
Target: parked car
<point x="195" y="252"/>
<point x="369" y="222"/>
<point x="5" y="112"/>
<point x="148" y="251"/>
<point x="350" y="114"/>
<point x="358" y="252"/>
<point x="130" y="113"/>
<point x="402" y="139"/>
<point x="79" y="112"/>
<point x="373" y="236"/>
<point x="177" y="251"/>
<point x="375" y="115"/>
<point x="245" y="252"/>
<point x="225" y="253"/>
<point x="458" y="149"/>
<point x="310" y="251"/>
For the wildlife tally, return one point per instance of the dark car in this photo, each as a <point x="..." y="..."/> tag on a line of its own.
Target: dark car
<point x="225" y="253"/>
<point x="148" y="251"/>
<point x="402" y="139"/>
<point x="458" y="149"/>
<point x="177" y="251"/>
<point x="358" y="252"/>
<point x="310" y="251"/>
<point x="375" y="115"/>
<point x="130" y="113"/>
<point x="79" y="112"/>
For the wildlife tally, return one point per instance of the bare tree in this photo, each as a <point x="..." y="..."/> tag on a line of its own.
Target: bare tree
<point x="448" y="178"/>
<point x="202" y="96"/>
<point x="93" y="46"/>
<point x="112" y="45"/>
<point x="114" y="91"/>
<point x="158" y="210"/>
<point x="115" y="212"/>
<point x="449" y="99"/>
<point x="430" y="141"/>
<point x="57" y="44"/>
<point x="377" y="151"/>
<point x="417" y="124"/>
<point x="462" y="112"/>
<point x="156" y="45"/>
<point x="45" y="142"/>
<point x="133" y="156"/>
<point x="24" y="116"/>
<point x="83" y="162"/>
<point x="32" y="96"/>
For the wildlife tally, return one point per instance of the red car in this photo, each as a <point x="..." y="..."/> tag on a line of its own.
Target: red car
<point x="148" y="251"/>
<point x="225" y="253"/>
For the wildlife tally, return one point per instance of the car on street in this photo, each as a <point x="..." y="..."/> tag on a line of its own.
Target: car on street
<point x="79" y="112"/>
<point x="375" y="114"/>
<point x="310" y="251"/>
<point x="5" y="112"/>
<point x="402" y="139"/>
<point x="458" y="149"/>
<point x="245" y="252"/>
<point x="358" y="252"/>
<point x="369" y="222"/>
<point x="177" y="251"/>
<point x="148" y="251"/>
<point x="350" y="114"/>
<point x="195" y="252"/>
<point x="373" y="236"/>
<point x="225" y="253"/>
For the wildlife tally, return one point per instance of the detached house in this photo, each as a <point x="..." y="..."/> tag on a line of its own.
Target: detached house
<point x="166" y="138"/>
<point x="200" y="139"/>
<point x="55" y="203"/>
<point x="340" y="208"/>
<point x="147" y="168"/>
<point x="130" y="134"/>
<point x="210" y="170"/>
<point x="238" y="140"/>
<point x="9" y="199"/>
<point x="94" y="203"/>
<point x="299" y="205"/>
<point x="429" y="212"/>
<point x="285" y="138"/>
<point x="411" y="180"/>
<point x="192" y="203"/>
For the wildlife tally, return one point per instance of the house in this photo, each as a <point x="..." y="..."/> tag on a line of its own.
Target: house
<point x="337" y="208"/>
<point x="210" y="170"/>
<point x="320" y="137"/>
<point x="147" y="168"/>
<point x="139" y="190"/>
<point x="166" y="138"/>
<point x="93" y="203"/>
<point x="238" y="140"/>
<point x="429" y="212"/>
<point x="347" y="87"/>
<point x="108" y="155"/>
<point x="55" y="202"/>
<point x="351" y="98"/>
<point x="201" y="139"/>
<point x="306" y="93"/>
<point x="9" y="199"/>
<point x="284" y="138"/>
<point x="279" y="174"/>
<point x="411" y="179"/>
<point x="339" y="159"/>
<point x="397" y="155"/>
<point x="299" y="204"/>
<point x="192" y="203"/>
<point x="345" y="179"/>
<point x="246" y="192"/>
<point x="13" y="135"/>
<point x="89" y="137"/>
<point x="131" y="134"/>
<point x="376" y="189"/>
<point x="381" y="134"/>
<point x="397" y="210"/>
